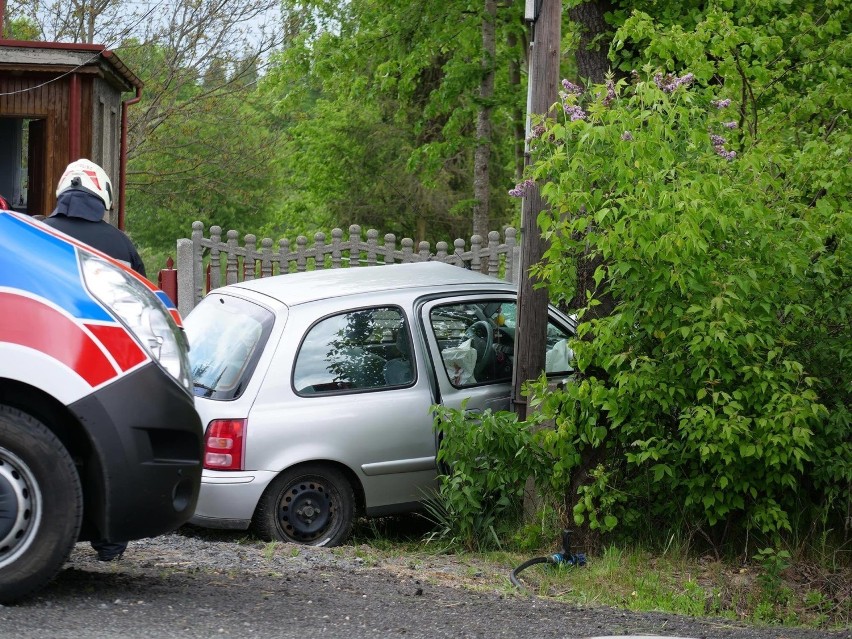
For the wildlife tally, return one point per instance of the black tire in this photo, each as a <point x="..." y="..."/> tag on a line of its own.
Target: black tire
<point x="312" y="505"/>
<point x="41" y="504"/>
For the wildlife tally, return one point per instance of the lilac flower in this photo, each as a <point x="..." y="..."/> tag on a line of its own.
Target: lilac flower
<point x="610" y="93"/>
<point x="671" y="82"/>
<point x="721" y="104"/>
<point x="536" y="132"/>
<point x="730" y="125"/>
<point x="571" y="88"/>
<point x="626" y="136"/>
<point x="521" y="189"/>
<point x="719" y="147"/>
<point x="574" y="112"/>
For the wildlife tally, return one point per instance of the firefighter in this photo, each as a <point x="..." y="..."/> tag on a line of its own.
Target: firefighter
<point x="83" y="197"/>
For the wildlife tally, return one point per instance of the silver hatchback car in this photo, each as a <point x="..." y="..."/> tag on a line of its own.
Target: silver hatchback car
<point x="316" y="390"/>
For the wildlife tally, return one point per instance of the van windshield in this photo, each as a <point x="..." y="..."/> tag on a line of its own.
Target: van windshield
<point x="226" y="337"/>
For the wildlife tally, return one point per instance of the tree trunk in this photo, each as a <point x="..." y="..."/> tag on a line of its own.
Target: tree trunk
<point x="592" y="66"/>
<point x="591" y="54"/>
<point x="518" y="116"/>
<point x="481" y="181"/>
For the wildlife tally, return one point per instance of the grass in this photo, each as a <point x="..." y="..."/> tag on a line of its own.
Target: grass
<point x="803" y="590"/>
<point x="808" y="587"/>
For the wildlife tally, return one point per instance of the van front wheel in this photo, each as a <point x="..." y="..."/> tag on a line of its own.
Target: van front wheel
<point x="41" y="504"/>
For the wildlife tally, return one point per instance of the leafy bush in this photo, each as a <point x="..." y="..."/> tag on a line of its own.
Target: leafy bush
<point x="486" y="463"/>
<point x="707" y="389"/>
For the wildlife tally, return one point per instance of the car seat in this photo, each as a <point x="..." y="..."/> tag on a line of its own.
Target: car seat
<point x="400" y="370"/>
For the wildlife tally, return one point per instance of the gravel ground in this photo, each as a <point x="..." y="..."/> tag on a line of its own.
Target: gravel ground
<point x="190" y="585"/>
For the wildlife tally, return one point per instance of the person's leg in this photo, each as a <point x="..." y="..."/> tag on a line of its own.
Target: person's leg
<point x="109" y="550"/>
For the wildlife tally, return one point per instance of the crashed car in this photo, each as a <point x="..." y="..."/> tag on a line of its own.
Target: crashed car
<point x="316" y="390"/>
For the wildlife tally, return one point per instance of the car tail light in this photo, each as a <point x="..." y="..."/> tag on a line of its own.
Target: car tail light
<point x="224" y="444"/>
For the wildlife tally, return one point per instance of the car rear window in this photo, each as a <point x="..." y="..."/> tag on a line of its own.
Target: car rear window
<point x="226" y="337"/>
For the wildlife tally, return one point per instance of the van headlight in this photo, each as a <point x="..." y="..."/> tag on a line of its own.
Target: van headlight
<point x="139" y="310"/>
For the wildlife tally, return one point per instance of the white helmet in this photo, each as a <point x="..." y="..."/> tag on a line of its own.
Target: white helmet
<point x="85" y="175"/>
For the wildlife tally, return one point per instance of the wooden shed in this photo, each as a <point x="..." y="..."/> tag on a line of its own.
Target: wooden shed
<point x="60" y="102"/>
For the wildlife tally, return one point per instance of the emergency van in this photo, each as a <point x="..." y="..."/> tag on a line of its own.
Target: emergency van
<point x="99" y="437"/>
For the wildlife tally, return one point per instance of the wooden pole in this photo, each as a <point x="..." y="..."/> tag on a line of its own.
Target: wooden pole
<point x="531" y="329"/>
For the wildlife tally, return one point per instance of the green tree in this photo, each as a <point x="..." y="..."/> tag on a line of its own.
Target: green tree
<point x="212" y="163"/>
<point x="20" y="28"/>
<point x="410" y="74"/>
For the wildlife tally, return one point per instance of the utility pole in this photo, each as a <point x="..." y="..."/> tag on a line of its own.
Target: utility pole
<point x="545" y="18"/>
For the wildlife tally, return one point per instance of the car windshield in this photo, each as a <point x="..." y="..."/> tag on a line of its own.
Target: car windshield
<point x="226" y="336"/>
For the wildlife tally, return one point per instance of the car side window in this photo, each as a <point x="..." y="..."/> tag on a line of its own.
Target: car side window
<point x="477" y="342"/>
<point x="558" y="355"/>
<point x="363" y="349"/>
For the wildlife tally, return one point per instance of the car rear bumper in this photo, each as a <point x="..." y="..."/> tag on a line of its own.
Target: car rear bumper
<point x="228" y="498"/>
<point x="143" y="475"/>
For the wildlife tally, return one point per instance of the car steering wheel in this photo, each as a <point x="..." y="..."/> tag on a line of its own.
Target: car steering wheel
<point x="483" y="345"/>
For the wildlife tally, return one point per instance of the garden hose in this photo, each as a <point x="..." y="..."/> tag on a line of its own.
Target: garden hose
<point x="566" y="557"/>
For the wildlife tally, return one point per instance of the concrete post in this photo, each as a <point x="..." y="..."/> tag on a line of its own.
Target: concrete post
<point x="186" y="281"/>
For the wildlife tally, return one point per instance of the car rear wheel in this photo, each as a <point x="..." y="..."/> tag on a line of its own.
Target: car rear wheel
<point x="312" y="504"/>
<point x="41" y="504"/>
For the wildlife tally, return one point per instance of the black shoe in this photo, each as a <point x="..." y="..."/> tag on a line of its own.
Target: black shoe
<point x="102" y="556"/>
<point x="109" y="551"/>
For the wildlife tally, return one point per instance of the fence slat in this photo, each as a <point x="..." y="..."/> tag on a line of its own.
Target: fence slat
<point x="354" y="244"/>
<point x="336" y="242"/>
<point x="231" y="263"/>
<point x="266" y="259"/>
<point x="301" y="258"/>
<point x="319" y="247"/>
<point x="249" y="266"/>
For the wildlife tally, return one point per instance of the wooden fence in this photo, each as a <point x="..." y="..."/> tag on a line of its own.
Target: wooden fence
<point x="205" y="263"/>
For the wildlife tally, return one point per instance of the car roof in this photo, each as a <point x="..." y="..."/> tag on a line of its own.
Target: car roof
<point x="299" y="288"/>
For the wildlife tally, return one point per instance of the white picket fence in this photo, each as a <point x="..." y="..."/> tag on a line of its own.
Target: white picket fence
<point x="205" y="263"/>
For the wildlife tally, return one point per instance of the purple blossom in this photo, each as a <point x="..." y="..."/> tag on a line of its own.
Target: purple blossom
<point x="537" y="131"/>
<point x="574" y="112"/>
<point x="627" y="136"/>
<point x="610" y="93"/>
<point x="571" y="88"/>
<point x="719" y="147"/>
<point x="521" y="189"/>
<point x="671" y="82"/>
<point x="721" y="104"/>
<point x="730" y="125"/>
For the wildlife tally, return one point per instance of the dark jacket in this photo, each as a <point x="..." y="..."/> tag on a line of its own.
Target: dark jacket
<point x="75" y="215"/>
